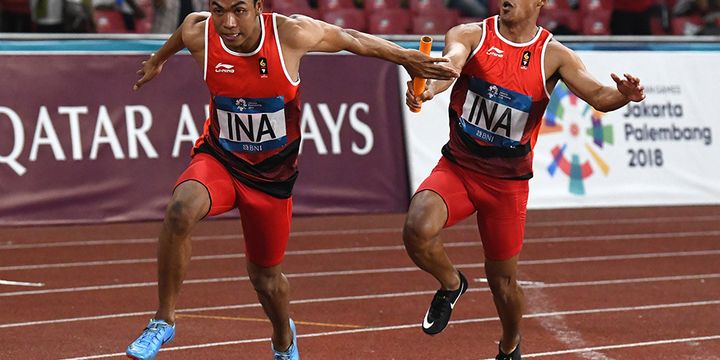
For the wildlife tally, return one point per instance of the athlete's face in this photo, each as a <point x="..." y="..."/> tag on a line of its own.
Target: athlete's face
<point x="519" y="10"/>
<point x="237" y="22"/>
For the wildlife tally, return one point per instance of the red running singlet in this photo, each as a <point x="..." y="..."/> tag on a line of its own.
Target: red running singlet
<point x="254" y="126"/>
<point x="497" y="105"/>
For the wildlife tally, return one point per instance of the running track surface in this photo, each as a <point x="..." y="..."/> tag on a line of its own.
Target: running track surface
<point x="632" y="283"/>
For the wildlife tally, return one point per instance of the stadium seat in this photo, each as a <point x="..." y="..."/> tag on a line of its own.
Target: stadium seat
<point x="597" y="23"/>
<point x="593" y="5"/>
<point x="493" y="8"/>
<point x="556" y="5"/>
<point x="391" y="21"/>
<point x="560" y="21"/>
<point x="434" y="24"/>
<point x="426" y="6"/>
<point x="292" y="7"/>
<point x="327" y="5"/>
<point x="109" y="21"/>
<point x="291" y="4"/>
<point x="372" y="6"/>
<point x="346" y="18"/>
<point x="468" y="20"/>
<point x="686" y="25"/>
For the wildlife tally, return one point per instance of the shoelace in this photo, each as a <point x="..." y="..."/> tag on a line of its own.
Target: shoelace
<point x="440" y="305"/>
<point x="282" y="356"/>
<point x="149" y="335"/>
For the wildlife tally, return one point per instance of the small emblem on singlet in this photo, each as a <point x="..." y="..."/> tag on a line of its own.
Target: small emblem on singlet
<point x="263" y="67"/>
<point x="525" y="61"/>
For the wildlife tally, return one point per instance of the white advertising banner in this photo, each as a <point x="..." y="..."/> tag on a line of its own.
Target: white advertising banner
<point x="661" y="151"/>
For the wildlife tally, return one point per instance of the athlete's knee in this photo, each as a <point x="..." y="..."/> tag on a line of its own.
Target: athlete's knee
<point x="418" y="232"/>
<point x="268" y="283"/>
<point x="179" y="217"/>
<point x="503" y="288"/>
<point x="425" y="219"/>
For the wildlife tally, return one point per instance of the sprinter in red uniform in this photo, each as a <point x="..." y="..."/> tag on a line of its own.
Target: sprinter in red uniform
<point x="247" y="155"/>
<point x="509" y="66"/>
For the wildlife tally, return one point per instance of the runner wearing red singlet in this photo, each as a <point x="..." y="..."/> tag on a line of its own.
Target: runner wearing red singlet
<point x="509" y="66"/>
<point x="247" y="155"/>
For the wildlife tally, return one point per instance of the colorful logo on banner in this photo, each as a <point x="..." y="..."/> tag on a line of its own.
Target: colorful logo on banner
<point x="575" y="156"/>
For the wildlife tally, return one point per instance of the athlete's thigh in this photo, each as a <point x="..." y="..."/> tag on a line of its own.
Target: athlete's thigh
<point x="445" y="181"/>
<point x="209" y="173"/>
<point x="266" y="225"/>
<point x="502" y="210"/>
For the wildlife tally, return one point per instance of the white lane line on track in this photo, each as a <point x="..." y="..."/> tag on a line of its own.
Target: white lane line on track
<point x="621" y="346"/>
<point x="366" y="297"/>
<point x="300" y="234"/>
<point x="367" y="271"/>
<point x="369" y="249"/>
<point x="457" y="322"/>
<point x="521" y="282"/>
<point x="359" y="249"/>
<point x="20" y="283"/>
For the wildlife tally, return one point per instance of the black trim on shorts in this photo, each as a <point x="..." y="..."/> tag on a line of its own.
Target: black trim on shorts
<point x="206" y="189"/>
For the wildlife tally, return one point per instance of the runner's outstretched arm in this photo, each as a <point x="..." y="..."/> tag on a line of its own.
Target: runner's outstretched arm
<point x="189" y="34"/>
<point x="306" y="34"/>
<point x="603" y="98"/>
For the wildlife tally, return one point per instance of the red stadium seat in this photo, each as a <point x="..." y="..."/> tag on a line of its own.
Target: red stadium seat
<point x="555" y="19"/>
<point x="299" y="10"/>
<point x="556" y="5"/>
<point x="469" y="20"/>
<point x="686" y="25"/>
<point x="391" y="21"/>
<point x="434" y="24"/>
<point x="290" y="4"/>
<point x="593" y="5"/>
<point x="109" y="21"/>
<point x="16" y="6"/>
<point x="372" y="6"/>
<point x="656" y="26"/>
<point x="327" y="5"/>
<point x="493" y="7"/>
<point x="346" y="18"/>
<point x="426" y="6"/>
<point x="597" y="23"/>
<point x="143" y="26"/>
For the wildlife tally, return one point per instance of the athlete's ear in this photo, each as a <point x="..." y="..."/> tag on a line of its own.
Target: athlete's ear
<point x="541" y="3"/>
<point x="259" y="6"/>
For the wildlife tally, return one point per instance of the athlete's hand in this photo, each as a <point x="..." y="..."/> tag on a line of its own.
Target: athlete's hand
<point x="150" y="69"/>
<point x="630" y="87"/>
<point x="415" y="102"/>
<point x="418" y="64"/>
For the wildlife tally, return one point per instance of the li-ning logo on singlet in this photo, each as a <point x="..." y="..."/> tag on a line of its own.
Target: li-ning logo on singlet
<point x="251" y="125"/>
<point x="495" y="52"/>
<point x="224" y="68"/>
<point x="494" y="114"/>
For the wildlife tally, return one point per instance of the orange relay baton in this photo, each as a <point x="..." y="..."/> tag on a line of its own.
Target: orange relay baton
<point x="419" y="83"/>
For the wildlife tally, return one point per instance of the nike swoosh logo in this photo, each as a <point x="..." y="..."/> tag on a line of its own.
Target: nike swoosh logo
<point x="452" y="305"/>
<point x="426" y="324"/>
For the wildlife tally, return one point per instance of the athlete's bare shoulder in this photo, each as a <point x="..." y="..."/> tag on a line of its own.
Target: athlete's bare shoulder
<point x="466" y="34"/>
<point x="298" y="31"/>
<point x="557" y="55"/>
<point x="193" y="30"/>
